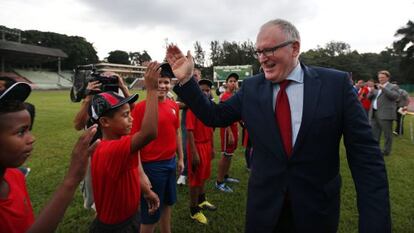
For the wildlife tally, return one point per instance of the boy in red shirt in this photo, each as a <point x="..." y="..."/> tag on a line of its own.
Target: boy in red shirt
<point x="114" y="165"/>
<point x="229" y="137"/>
<point x="158" y="157"/>
<point x="16" y="145"/>
<point x="200" y="151"/>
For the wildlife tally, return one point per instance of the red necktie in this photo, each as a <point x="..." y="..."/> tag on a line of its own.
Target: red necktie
<point x="283" y="119"/>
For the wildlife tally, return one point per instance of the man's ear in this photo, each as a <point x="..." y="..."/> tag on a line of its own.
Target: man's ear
<point x="296" y="48"/>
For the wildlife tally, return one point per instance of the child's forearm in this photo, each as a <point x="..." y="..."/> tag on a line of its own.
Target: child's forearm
<point x="82" y="116"/>
<point x="179" y="146"/>
<point x="53" y="212"/>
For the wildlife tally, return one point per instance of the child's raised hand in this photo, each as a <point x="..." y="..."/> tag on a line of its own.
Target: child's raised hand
<point x="151" y="76"/>
<point x="80" y="155"/>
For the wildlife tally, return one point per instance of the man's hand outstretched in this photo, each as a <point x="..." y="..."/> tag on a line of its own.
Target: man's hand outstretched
<point x="181" y="65"/>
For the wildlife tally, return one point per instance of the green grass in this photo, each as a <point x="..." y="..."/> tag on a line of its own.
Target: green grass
<point x="55" y="136"/>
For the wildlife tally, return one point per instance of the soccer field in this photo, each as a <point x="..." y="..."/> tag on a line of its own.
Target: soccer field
<point x="55" y="137"/>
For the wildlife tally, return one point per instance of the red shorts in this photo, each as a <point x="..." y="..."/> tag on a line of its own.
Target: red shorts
<point x="203" y="171"/>
<point x="225" y="146"/>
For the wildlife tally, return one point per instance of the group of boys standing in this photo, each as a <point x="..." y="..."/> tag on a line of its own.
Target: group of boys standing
<point x="114" y="164"/>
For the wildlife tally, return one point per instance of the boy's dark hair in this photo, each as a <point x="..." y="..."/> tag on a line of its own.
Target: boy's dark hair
<point x="232" y="75"/>
<point x="166" y="71"/>
<point x="10" y="106"/>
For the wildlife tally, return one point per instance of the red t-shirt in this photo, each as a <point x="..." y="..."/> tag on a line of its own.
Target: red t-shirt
<point x="201" y="132"/>
<point x="16" y="212"/>
<point x="363" y="97"/>
<point x="115" y="180"/>
<point x="225" y="147"/>
<point x="164" y="146"/>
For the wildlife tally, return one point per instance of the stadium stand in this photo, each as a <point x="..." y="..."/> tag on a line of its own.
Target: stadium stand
<point x="44" y="80"/>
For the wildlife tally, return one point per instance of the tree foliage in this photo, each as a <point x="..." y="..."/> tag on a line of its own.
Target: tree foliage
<point x="119" y="57"/>
<point x="139" y="58"/>
<point x="199" y="55"/>
<point x="405" y="49"/>
<point x="79" y="50"/>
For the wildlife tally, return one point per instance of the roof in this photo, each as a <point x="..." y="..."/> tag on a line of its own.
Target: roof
<point x="14" y="51"/>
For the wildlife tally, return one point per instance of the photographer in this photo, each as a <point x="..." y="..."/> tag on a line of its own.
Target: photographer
<point x="81" y="121"/>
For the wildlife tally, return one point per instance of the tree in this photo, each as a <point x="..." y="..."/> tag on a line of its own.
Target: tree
<point x="119" y="57"/>
<point x="335" y="48"/>
<point x="199" y="55"/>
<point x="138" y="58"/>
<point x="79" y="50"/>
<point x="405" y="48"/>
<point x="215" y="52"/>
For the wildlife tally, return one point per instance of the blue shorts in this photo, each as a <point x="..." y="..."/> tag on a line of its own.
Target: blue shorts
<point x="162" y="177"/>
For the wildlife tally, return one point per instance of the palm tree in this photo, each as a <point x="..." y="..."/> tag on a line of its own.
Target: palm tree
<point x="405" y="48"/>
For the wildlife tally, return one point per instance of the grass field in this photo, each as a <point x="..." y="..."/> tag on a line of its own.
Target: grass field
<point x="55" y="137"/>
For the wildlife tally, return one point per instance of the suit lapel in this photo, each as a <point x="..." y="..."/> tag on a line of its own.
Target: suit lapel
<point x="267" y="111"/>
<point x="311" y="90"/>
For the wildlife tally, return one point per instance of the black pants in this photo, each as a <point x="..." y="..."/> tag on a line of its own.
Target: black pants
<point x="285" y="223"/>
<point x="131" y="225"/>
<point x="399" y="128"/>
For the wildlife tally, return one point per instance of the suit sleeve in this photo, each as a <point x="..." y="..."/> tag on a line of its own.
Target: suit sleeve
<point x="367" y="166"/>
<point x="210" y="113"/>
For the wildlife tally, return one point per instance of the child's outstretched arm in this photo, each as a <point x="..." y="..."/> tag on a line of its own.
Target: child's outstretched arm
<point x="149" y="128"/>
<point x="53" y="212"/>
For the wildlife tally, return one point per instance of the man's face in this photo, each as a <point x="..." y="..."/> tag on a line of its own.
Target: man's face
<point x="206" y="90"/>
<point x="197" y="74"/>
<point x="16" y="140"/>
<point x="164" y="86"/>
<point x="278" y="65"/>
<point x="382" y="78"/>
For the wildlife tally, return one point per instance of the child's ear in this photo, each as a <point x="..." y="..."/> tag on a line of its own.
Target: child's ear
<point x="104" y="122"/>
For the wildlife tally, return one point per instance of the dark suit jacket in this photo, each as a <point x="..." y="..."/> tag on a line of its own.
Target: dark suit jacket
<point x="311" y="175"/>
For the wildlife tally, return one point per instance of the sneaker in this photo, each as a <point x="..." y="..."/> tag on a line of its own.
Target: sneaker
<point x="205" y="205"/>
<point x="231" y="180"/>
<point x="395" y="133"/>
<point x="199" y="217"/>
<point x="181" y="180"/>
<point x="224" y="188"/>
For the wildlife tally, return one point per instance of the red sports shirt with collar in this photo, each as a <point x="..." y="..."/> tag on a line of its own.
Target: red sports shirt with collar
<point x="164" y="146"/>
<point x="115" y="180"/>
<point x="16" y="212"/>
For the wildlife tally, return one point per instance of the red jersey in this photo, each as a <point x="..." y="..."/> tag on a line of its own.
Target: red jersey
<point x="164" y="146"/>
<point x="16" y="212"/>
<point x="115" y="180"/>
<point x="363" y="97"/>
<point x="225" y="146"/>
<point x="201" y="132"/>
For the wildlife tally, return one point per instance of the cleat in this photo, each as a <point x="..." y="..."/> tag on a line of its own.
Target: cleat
<point x="205" y="205"/>
<point x="231" y="180"/>
<point x="224" y="188"/>
<point x="199" y="217"/>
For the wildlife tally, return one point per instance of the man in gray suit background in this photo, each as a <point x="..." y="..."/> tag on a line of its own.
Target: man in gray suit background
<point x="383" y="109"/>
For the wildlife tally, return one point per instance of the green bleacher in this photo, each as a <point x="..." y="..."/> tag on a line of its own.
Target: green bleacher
<point x="45" y="80"/>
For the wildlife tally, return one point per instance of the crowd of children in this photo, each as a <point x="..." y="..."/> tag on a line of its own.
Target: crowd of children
<point x="129" y="152"/>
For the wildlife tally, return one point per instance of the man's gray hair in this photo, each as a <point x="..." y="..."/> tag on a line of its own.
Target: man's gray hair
<point x="288" y="28"/>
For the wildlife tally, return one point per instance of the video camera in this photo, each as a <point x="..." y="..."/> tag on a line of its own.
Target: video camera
<point x="86" y="74"/>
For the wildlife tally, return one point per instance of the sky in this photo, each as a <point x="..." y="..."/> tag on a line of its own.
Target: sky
<point x="137" y="25"/>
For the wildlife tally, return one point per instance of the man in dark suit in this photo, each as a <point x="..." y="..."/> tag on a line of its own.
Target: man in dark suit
<point x="294" y="185"/>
